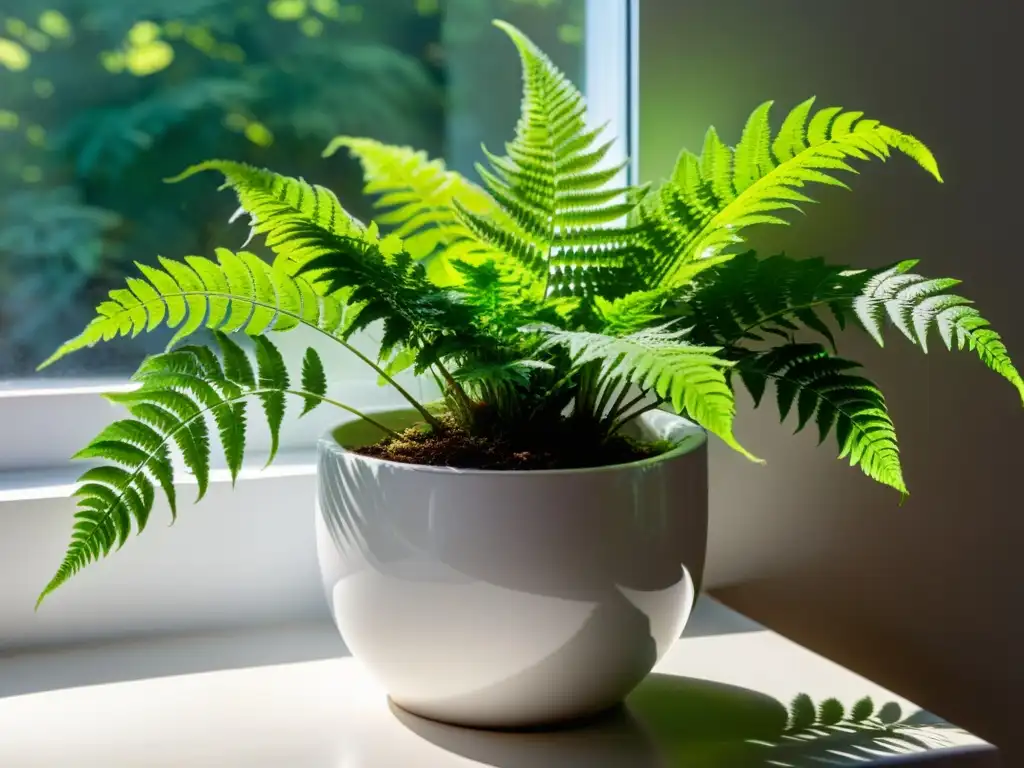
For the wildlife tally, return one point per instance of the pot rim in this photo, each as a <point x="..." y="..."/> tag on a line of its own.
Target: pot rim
<point x="691" y="439"/>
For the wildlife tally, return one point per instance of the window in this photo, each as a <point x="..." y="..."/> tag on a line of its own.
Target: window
<point x="102" y="99"/>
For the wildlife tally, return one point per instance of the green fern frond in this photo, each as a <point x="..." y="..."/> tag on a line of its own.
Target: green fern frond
<point x="314" y="380"/>
<point x="748" y="297"/>
<point x="688" y="376"/>
<point x="499" y="305"/>
<point x="711" y="199"/>
<point x="394" y="288"/>
<point x="551" y="184"/>
<point x="917" y="304"/>
<point x="634" y="311"/>
<point x="514" y="373"/>
<point x="417" y="197"/>
<point x="236" y="293"/>
<point x="299" y="221"/>
<point x="314" y="237"/>
<point x="821" y="387"/>
<point x="179" y="391"/>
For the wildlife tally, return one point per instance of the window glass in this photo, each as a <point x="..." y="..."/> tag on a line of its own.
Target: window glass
<point x="102" y="99"/>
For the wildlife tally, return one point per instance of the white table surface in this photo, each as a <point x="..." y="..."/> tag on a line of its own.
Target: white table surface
<point x="289" y="697"/>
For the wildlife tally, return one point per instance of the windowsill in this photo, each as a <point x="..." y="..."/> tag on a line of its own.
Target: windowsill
<point x="290" y="696"/>
<point x="60" y="482"/>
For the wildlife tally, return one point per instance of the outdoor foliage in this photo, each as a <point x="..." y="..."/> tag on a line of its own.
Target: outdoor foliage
<point x="552" y="294"/>
<point x="100" y="100"/>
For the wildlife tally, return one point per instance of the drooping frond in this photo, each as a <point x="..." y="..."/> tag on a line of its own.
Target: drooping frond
<point x="822" y="387"/>
<point x="552" y="183"/>
<point x="748" y="297"/>
<point x="662" y="361"/>
<point x="236" y="293"/>
<point x="417" y="198"/>
<point x="917" y="304"/>
<point x="179" y="392"/>
<point x="711" y="199"/>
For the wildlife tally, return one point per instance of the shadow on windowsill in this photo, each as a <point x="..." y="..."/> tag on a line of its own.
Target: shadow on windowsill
<point x="679" y="722"/>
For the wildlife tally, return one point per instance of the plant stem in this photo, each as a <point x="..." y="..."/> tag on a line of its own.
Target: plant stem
<point x="629" y="417"/>
<point x="387" y="430"/>
<point x="614" y="417"/>
<point x="618" y="401"/>
<point x="427" y="415"/>
<point x="460" y="394"/>
<point x="606" y="395"/>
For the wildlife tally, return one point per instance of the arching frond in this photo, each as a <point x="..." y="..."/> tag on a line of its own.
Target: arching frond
<point x="179" y="392"/>
<point x="552" y="183"/>
<point x="417" y="198"/>
<point x="314" y="237"/>
<point x="711" y="199"/>
<point x="822" y="387"/>
<point x="236" y="293"/>
<point x="916" y="305"/>
<point x="749" y="298"/>
<point x="299" y="221"/>
<point x="688" y="376"/>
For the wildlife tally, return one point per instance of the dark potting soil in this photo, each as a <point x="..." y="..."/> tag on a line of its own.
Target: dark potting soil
<point x="559" y="447"/>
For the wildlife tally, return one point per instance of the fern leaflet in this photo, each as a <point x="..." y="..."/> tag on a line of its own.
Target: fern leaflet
<point x="688" y="376"/>
<point x="916" y="305"/>
<point x="822" y="387"/>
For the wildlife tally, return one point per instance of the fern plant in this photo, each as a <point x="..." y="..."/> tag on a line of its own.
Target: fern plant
<point x="550" y="296"/>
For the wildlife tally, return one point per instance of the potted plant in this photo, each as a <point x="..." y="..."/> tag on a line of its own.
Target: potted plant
<point x="525" y="549"/>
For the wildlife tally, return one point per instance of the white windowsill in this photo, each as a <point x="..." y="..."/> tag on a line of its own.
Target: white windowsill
<point x="60" y="482"/>
<point x="290" y="696"/>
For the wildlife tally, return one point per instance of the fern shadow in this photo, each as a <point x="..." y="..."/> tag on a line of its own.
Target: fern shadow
<point x="677" y="722"/>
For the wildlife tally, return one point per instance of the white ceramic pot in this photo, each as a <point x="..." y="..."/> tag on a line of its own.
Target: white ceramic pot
<point x="508" y="599"/>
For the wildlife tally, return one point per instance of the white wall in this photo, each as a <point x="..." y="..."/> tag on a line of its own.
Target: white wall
<point x="926" y="598"/>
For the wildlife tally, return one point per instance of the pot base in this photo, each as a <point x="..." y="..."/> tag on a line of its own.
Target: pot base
<point x="503" y="599"/>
